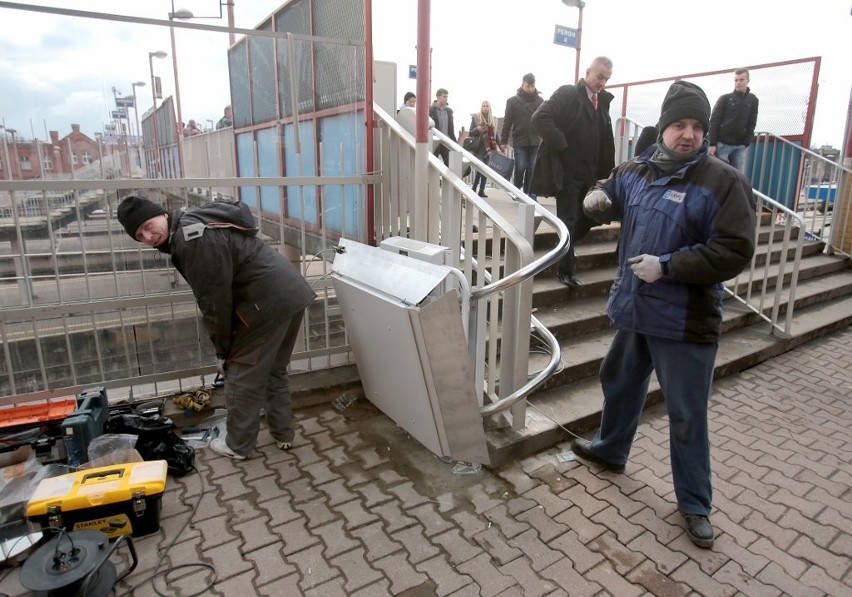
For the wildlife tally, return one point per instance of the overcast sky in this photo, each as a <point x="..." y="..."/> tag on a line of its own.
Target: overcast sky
<point x="55" y="71"/>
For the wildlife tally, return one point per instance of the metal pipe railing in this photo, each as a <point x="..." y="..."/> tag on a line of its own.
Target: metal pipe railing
<point x="488" y="287"/>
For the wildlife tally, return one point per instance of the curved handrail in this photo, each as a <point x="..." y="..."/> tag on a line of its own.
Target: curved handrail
<point x="517" y="277"/>
<point x="538" y="379"/>
<point x="531" y="269"/>
<point x="524" y="273"/>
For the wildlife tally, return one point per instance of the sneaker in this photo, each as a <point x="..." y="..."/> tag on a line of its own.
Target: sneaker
<point x="699" y="530"/>
<point x="284" y="445"/>
<point x="221" y="448"/>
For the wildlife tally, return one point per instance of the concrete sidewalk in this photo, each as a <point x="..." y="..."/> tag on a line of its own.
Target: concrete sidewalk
<point x="359" y="508"/>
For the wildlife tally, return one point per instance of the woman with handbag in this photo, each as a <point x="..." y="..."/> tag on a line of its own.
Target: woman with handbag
<point x="486" y="138"/>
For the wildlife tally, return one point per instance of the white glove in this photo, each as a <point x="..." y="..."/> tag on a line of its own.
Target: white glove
<point x="646" y="267"/>
<point x="220" y="366"/>
<point x="596" y="201"/>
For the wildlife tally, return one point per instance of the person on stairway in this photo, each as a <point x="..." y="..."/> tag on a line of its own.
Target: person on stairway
<point x="577" y="148"/>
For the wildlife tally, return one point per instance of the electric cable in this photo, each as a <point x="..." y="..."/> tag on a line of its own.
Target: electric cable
<point x="546" y="416"/>
<point x="158" y="573"/>
<point x="313" y="258"/>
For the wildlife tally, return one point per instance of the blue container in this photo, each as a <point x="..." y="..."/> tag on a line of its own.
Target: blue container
<point x="773" y="166"/>
<point x="822" y="191"/>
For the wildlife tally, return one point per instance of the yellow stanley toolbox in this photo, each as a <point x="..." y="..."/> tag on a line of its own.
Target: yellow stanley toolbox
<point x="122" y="499"/>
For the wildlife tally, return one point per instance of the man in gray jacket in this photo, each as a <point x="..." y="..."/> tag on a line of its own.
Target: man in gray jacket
<point x="252" y="301"/>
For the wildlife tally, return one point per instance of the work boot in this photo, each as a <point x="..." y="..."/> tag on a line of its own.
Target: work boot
<point x="699" y="530"/>
<point x="582" y="448"/>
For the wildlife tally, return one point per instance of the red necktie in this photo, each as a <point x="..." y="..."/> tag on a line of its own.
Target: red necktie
<point x="595" y="101"/>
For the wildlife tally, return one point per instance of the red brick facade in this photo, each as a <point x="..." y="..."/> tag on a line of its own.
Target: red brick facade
<point x="75" y="150"/>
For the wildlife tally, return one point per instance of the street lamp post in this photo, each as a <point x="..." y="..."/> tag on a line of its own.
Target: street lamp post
<point x="138" y="129"/>
<point x="100" y="140"/>
<point x="151" y="56"/>
<point x="15" y="156"/>
<point x="182" y="14"/>
<point x="581" y="5"/>
<point x="9" y="174"/>
<point x="122" y="132"/>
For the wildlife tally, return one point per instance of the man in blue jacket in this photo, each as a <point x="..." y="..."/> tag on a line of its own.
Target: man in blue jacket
<point x="687" y="226"/>
<point x="252" y="301"/>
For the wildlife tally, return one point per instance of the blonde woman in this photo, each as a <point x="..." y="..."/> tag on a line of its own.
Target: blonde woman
<point x="483" y="125"/>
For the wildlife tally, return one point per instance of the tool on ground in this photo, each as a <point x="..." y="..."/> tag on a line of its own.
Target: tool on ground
<point x="74" y="565"/>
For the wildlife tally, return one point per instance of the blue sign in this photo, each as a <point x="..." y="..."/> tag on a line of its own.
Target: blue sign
<point x="412" y="71"/>
<point x="117" y="114"/>
<point x="565" y="36"/>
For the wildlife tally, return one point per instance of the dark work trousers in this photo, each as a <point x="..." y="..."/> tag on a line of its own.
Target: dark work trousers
<point x="569" y="209"/>
<point x="685" y="373"/>
<point x="255" y="379"/>
<point x="443" y="152"/>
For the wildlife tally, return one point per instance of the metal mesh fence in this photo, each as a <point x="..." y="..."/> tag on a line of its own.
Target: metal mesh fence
<point x="784" y="91"/>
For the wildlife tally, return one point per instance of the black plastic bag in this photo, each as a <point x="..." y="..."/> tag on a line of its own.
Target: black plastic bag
<point x="156" y="440"/>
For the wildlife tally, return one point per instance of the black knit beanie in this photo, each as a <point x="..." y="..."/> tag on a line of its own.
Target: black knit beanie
<point x="684" y="100"/>
<point x="135" y="211"/>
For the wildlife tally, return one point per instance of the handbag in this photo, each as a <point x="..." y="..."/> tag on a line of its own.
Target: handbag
<point x="472" y="144"/>
<point x="501" y="164"/>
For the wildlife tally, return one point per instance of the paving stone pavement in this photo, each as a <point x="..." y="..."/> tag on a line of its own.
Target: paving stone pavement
<point x="358" y="508"/>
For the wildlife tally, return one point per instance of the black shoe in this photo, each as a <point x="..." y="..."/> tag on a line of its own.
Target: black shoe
<point x="483" y="195"/>
<point x="569" y="280"/>
<point x="699" y="530"/>
<point x="581" y="447"/>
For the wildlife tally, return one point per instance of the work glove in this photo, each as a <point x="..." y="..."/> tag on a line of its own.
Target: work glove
<point x="596" y="201"/>
<point x="220" y="366"/>
<point x="646" y="267"/>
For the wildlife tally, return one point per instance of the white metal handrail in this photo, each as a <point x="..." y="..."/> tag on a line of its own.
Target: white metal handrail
<point x="509" y="279"/>
<point x="757" y="290"/>
<point x="816" y="186"/>
<point x="627" y="132"/>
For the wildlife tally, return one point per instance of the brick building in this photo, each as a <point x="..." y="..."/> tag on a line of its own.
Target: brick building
<point x="58" y="157"/>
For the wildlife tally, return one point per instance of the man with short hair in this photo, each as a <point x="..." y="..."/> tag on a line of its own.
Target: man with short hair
<point x="733" y="122"/>
<point x="687" y="226"/>
<point x="516" y="121"/>
<point x="227" y="118"/>
<point x="442" y="114"/>
<point x="251" y="299"/>
<point x="577" y="148"/>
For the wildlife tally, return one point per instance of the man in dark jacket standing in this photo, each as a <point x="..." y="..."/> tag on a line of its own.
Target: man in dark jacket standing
<point x="577" y="149"/>
<point x="516" y="120"/>
<point x="733" y="121"/>
<point x="687" y="226"/>
<point x="252" y="301"/>
<point x="442" y="114"/>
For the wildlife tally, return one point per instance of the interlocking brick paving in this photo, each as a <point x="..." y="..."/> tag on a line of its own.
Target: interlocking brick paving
<point x="357" y="507"/>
